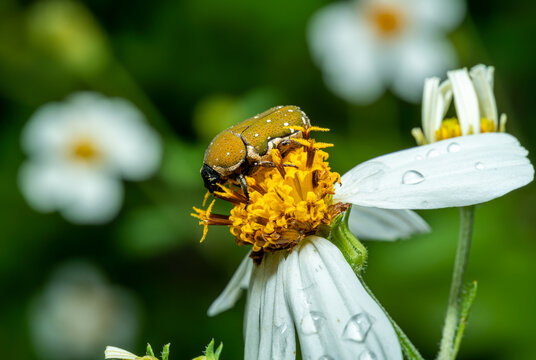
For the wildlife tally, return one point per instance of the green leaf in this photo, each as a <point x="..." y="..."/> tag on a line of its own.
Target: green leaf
<point x="165" y="352"/>
<point x="218" y="351"/>
<point x="210" y="354"/>
<point x="149" y="350"/>
<point x="468" y="297"/>
<point x="209" y="351"/>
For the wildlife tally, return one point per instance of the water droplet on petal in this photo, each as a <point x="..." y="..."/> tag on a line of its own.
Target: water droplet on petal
<point x="312" y="322"/>
<point x="325" y="357"/>
<point x="479" y="166"/>
<point x="418" y="157"/>
<point x="432" y="153"/>
<point x="370" y="181"/>
<point x="307" y="293"/>
<point x="357" y="328"/>
<point x="412" y="177"/>
<point x="367" y="355"/>
<point x="453" y="147"/>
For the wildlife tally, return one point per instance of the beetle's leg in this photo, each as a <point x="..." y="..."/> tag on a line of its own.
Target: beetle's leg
<point x="271" y="164"/>
<point x="264" y="163"/>
<point x="287" y="145"/>
<point x="244" y="186"/>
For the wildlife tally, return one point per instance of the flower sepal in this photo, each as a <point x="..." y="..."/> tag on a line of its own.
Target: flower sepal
<point x="353" y="250"/>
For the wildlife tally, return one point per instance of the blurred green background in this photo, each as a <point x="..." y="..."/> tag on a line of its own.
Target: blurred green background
<point x="194" y="67"/>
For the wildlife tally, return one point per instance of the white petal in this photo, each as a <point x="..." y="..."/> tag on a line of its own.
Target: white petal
<point x="416" y="57"/>
<point x="465" y="101"/>
<point x="46" y="132"/>
<point x="343" y="46"/>
<point x="94" y="198"/>
<point x="443" y="14"/>
<point x="41" y="184"/>
<point x="483" y="82"/>
<point x="433" y="108"/>
<point x="456" y="172"/>
<point x="232" y="292"/>
<point x="134" y="147"/>
<point x="82" y="194"/>
<point x="113" y="352"/>
<point x="277" y="340"/>
<point x="267" y="323"/>
<point x="369" y="223"/>
<point x="334" y="314"/>
<point x="252" y="326"/>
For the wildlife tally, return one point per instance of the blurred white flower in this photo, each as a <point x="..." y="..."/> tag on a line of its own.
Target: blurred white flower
<point x="474" y="101"/>
<point x="78" y="313"/>
<point x="78" y="152"/>
<point x="365" y="46"/>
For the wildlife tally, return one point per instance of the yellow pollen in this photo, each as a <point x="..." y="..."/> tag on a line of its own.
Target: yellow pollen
<point x="487" y="125"/>
<point x="387" y="20"/>
<point x="451" y="128"/>
<point x="287" y="202"/>
<point x="84" y="150"/>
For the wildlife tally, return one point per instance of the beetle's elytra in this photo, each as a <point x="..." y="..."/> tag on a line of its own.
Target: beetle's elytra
<point x="238" y="150"/>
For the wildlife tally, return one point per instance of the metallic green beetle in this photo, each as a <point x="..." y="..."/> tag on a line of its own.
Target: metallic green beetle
<point x="240" y="149"/>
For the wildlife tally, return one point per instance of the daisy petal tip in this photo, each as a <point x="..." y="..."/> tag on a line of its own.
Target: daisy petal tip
<point x="112" y="352"/>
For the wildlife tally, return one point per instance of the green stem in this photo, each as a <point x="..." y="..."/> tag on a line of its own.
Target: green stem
<point x="446" y="350"/>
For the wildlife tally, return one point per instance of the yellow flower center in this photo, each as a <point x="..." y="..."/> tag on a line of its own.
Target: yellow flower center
<point x="387" y="20"/>
<point x="84" y="150"/>
<point x="451" y="128"/>
<point x="287" y="202"/>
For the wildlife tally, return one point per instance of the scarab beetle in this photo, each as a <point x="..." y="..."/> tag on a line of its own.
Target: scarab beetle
<point x="240" y="149"/>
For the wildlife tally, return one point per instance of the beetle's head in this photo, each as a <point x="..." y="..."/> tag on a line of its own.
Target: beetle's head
<point x="211" y="178"/>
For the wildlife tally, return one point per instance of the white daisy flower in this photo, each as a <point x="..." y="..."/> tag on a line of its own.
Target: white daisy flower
<point x="78" y="152"/>
<point x="302" y="281"/>
<point x="365" y="46"/>
<point x="78" y="313"/>
<point x="474" y="101"/>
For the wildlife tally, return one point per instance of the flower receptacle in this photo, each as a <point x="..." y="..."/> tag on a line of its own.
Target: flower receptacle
<point x="353" y="250"/>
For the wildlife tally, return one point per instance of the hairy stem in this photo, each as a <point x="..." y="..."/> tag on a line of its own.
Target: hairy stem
<point x="446" y="350"/>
